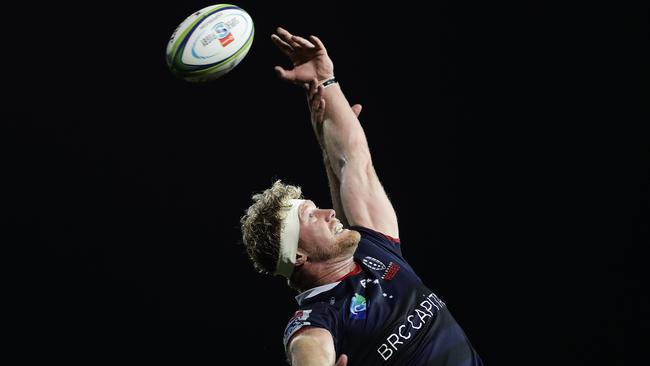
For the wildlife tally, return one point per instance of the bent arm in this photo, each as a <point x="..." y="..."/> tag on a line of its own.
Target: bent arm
<point x="363" y="198"/>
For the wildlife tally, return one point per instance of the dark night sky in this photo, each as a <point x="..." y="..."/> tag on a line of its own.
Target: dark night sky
<point x="511" y="140"/>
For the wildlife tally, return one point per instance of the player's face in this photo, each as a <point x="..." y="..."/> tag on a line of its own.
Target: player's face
<point x="322" y="235"/>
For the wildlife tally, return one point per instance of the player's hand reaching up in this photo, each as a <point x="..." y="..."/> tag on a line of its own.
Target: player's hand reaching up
<point x="309" y="58"/>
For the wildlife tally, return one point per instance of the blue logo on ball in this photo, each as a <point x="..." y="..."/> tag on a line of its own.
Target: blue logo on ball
<point x="222" y="30"/>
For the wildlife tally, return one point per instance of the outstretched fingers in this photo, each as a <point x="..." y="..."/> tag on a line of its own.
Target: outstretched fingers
<point x="282" y="45"/>
<point x="284" y="35"/>
<point x="317" y="42"/>
<point x="302" y="42"/>
<point x="292" y="41"/>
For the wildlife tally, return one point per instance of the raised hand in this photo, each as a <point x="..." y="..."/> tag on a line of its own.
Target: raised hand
<point x="308" y="56"/>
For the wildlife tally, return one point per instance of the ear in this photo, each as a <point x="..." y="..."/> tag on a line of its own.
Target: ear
<point x="301" y="258"/>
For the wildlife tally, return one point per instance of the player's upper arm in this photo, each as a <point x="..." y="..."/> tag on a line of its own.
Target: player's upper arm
<point x="311" y="346"/>
<point x="363" y="197"/>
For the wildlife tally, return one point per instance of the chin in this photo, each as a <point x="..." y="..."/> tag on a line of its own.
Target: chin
<point x="349" y="239"/>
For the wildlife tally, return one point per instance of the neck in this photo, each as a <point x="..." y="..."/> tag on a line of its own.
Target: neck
<point x="327" y="272"/>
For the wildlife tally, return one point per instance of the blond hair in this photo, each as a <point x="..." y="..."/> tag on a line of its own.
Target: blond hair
<point x="262" y="222"/>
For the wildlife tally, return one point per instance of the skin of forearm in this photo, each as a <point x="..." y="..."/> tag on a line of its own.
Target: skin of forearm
<point x="333" y="180"/>
<point x="335" y="192"/>
<point x="342" y="136"/>
<point x="310" y="353"/>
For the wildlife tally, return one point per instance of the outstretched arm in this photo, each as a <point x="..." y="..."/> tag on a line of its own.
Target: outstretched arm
<point x="317" y="112"/>
<point x="363" y="198"/>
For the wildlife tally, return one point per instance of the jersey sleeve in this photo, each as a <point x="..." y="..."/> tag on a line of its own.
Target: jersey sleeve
<point x="380" y="240"/>
<point x="319" y="315"/>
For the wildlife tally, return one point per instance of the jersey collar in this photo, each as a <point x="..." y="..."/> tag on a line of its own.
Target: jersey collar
<point x="315" y="291"/>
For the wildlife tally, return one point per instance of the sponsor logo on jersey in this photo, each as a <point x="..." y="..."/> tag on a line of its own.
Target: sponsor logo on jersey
<point x="389" y="271"/>
<point x="357" y="307"/>
<point x="423" y="314"/>
<point x="366" y="281"/>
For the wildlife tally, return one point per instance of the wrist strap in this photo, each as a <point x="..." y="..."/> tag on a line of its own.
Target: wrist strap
<point x="329" y="82"/>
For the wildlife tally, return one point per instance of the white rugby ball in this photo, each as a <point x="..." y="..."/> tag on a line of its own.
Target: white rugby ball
<point x="210" y="43"/>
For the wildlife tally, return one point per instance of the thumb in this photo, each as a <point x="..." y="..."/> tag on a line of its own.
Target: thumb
<point x="343" y="360"/>
<point x="356" y="109"/>
<point x="286" y="75"/>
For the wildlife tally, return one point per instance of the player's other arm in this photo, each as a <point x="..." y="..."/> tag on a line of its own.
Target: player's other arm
<point x="313" y="347"/>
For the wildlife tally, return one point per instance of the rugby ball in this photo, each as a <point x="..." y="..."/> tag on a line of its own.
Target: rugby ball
<point x="210" y="43"/>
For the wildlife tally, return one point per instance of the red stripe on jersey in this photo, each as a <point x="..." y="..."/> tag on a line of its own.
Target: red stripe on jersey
<point x="394" y="240"/>
<point x="355" y="270"/>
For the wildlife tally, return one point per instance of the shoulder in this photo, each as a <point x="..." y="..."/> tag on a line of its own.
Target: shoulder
<point x="374" y="239"/>
<point x="375" y="235"/>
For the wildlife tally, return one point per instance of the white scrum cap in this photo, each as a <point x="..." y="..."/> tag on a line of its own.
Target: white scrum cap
<point x="289" y="237"/>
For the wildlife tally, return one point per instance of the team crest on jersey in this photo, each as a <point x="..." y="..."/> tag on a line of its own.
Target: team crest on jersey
<point x="374" y="263"/>
<point x="357" y="307"/>
<point x="389" y="271"/>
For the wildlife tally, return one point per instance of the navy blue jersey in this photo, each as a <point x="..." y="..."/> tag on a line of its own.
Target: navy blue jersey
<point x="383" y="314"/>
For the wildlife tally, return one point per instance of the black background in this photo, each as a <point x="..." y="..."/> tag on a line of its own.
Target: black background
<point x="510" y="138"/>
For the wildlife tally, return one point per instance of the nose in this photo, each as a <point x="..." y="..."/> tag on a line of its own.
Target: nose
<point x="330" y="214"/>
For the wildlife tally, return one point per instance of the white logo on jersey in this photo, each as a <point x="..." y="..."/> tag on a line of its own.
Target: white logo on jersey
<point x="428" y="309"/>
<point x="366" y="281"/>
<point x="374" y="263"/>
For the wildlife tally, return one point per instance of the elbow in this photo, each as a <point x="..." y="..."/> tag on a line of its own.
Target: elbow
<point x="339" y="165"/>
<point x="359" y="164"/>
<point x="354" y="153"/>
